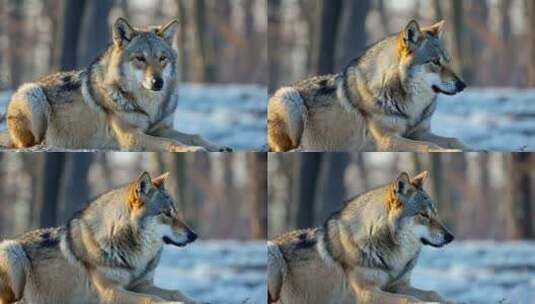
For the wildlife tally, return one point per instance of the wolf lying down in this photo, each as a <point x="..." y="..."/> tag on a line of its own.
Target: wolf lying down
<point x="364" y="252"/>
<point x="107" y="253"/>
<point x="382" y="101"/>
<point x="125" y="100"/>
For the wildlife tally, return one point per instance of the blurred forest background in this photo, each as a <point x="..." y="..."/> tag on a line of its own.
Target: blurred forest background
<point x="221" y="195"/>
<point x="221" y="41"/>
<point x="479" y="195"/>
<point x="492" y="42"/>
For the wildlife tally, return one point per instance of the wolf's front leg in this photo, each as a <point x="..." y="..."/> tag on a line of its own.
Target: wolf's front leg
<point x="188" y="139"/>
<point x="444" y="142"/>
<point x="131" y="139"/>
<point x="171" y="295"/>
<point x="371" y="294"/>
<point x="424" y="295"/>
<point x="396" y="143"/>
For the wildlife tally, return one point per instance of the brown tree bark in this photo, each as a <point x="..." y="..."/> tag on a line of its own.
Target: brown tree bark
<point x="72" y="26"/>
<point x="305" y="193"/>
<point x="331" y="11"/>
<point x="257" y="168"/>
<point x="530" y="25"/>
<point x="519" y="214"/>
<point x="333" y="190"/>
<point x="75" y="190"/>
<point x="49" y="189"/>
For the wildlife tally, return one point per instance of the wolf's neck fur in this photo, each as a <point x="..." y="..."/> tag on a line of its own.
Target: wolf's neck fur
<point x="369" y="240"/>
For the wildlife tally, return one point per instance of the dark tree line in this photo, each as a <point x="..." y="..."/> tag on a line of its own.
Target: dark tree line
<point x="218" y="41"/>
<point x="321" y="36"/>
<point x="46" y="189"/>
<point x="478" y="195"/>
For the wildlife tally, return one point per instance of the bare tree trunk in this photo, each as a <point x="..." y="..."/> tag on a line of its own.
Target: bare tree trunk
<point x="53" y="11"/>
<point x="96" y="31"/>
<point x="306" y="191"/>
<point x="75" y="187"/>
<point x="49" y="189"/>
<point x="16" y="27"/>
<point x="182" y="39"/>
<point x="203" y="66"/>
<point x="257" y="163"/>
<point x="332" y="183"/>
<point x="72" y="26"/>
<point x="530" y="24"/>
<point x="354" y="35"/>
<point x="330" y="16"/>
<point x="519" y="212"/>
<point x="274" y="35"/>
<point x="462" y="45"/>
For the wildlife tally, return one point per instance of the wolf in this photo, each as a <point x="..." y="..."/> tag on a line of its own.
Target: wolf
<point x="363" y="253"/>
<point x="106" y="253"/>
<point x="124" y="100"/>
<point x="382" y="101"/>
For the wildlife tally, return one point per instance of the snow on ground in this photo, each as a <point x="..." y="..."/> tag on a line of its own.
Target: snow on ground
<point x="494" y="119"/>
<point x="230" y="272"/>
<point x="229" y="115"/>
<point x="479" y="272"/>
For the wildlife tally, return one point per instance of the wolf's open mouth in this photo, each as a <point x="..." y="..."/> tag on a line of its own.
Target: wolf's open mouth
<point x="168" y="241"/>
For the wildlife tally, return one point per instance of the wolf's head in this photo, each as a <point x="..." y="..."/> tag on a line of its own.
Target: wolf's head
<point x="153" y="209"/>
<point x="144" y="58"/>
<point x="423" y="57"/>
<point x="414" y="213"/>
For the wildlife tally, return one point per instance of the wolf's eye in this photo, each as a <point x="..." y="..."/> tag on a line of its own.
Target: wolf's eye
<point x="436" y="61"/>
<point x="424" y="215"/>
<point x="140" y="58"/>
<point x="163" y="59"/>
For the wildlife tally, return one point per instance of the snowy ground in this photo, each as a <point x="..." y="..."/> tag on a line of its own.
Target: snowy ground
<point x="494" y="119"/>
<point x="230" y="272"/>
<point x="479" y="272"/>
<point x="229" y="115"/>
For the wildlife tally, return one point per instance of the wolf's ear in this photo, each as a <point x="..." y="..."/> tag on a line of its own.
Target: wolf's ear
<point x="419" y="180"/>
<point x="160" y="180"/>
<point x="122" y="32"/>
<point x="402" y="183"/>
<point x="168" y="31"/>
<point x="144" y="184"/>
<point x="436" y="29"/>
<point x="412" y="35"/>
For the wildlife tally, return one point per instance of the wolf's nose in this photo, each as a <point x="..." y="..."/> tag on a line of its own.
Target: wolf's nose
<point x="192" y="236"/>
<point x="460" y="86"/>
<point x="157" y="83"/>
<point x="449" y="237"/>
